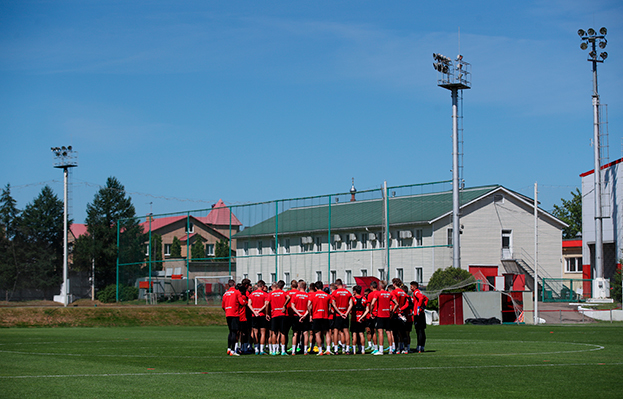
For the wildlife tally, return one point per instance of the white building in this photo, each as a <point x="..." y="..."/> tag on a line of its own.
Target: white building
<point x="612" y="205"/>
<point x="345" y="240"/>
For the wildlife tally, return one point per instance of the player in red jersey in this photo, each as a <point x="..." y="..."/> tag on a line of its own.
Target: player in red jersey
<point x="382" y="303"/>
<point x="276" y="302"/>
<point x="409" y="324"/>
<point x="300" y="327"/>
<point x="258" y="302"/>
<point x="243" y="332"/>
<point x="399" y="319"/>
<point x="420" y="301"/>
<point x="231" y="303"/>
<point x="290" y="316"/>
<point x="319" y="304"/>
<point x="342" y="302"/>
<point x="357" y="327"/>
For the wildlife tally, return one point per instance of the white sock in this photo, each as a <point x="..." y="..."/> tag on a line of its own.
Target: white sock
<point x="283" y="348"/>
<point x="381" y="348"/>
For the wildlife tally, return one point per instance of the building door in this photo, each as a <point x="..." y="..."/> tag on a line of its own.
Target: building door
<point x="507" y="244"/>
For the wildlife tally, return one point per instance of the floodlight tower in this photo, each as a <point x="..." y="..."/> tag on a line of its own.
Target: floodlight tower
<point x="601" y="287"/>
<point x="65" y="158"/>
<point x="454" y="76"/>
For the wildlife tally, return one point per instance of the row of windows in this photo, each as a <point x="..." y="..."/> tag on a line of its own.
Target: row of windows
<point x="403" y="238"/>
<point x="348" y="275"/>
<point x="167" y="250"/>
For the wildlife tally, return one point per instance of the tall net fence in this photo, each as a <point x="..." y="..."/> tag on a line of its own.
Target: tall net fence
<point x="385" y="232"/>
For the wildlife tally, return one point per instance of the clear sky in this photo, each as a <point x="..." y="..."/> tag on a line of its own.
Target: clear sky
<point x="186" y="102"/>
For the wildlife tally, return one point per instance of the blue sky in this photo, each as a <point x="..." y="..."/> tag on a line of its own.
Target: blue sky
<point x="188" y="102"/>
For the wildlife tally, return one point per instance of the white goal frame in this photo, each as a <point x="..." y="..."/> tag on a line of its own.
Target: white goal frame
<point x="207" y="277"/>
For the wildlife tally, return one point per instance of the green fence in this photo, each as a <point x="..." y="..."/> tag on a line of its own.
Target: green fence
<point x="565" y="290"/>
<point x="384" y="232"/>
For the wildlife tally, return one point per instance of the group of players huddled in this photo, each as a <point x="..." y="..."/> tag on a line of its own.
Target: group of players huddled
<point x="260" y="318"/>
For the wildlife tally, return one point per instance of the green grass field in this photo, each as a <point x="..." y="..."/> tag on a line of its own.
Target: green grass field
<point x="176" y="362"/>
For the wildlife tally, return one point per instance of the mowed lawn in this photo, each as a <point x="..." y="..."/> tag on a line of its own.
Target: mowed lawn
<point x="176" y="362"/>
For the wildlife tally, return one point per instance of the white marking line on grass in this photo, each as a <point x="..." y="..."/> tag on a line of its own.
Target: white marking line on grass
<point x="310" y="370"/>
<point x="594" y="348"/>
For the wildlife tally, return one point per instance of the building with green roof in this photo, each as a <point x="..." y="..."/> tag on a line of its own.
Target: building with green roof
<point x="406" y="236"/>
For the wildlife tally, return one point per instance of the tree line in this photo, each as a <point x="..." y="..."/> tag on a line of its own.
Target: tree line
<point x="31" y="242"/>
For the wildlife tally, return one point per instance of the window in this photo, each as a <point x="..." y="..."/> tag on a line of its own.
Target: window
<point x="418" y="237"/>
<point x="167" y="249"/>
<point x="364" y="240"/>
<point x="259" y="247"/>
<point x="190" y="228"/>
<point x="449" y="237"/>
<point x="307" y="244"/>
<point x="349" y="277"/>
<point x="364" y="272"/>
<point x="333" y="276"/>
<point x="418" y="275"/>
<point x="287" y="245"/>
<point x="400" y="273"/>
<point x="381" y="274"/>
<point x="273" y="249"/>
<point x="210" y="249"/>
<point x="245" y="275"/>
<point x="318" y="244"/>
<point x="286" y="277"/>
<point x="318" y="276"/>
<point x="259" y="276"/>
<point x="573" y="265"/>
<point x="245" y="247"/>
<point x="350" y="242"/>
<point x="381" y="240"/>
<point x="273" y="277"/>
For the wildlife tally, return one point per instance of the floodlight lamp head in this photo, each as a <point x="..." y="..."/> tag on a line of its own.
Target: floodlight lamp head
<point x="69" y="148"/>
<point x="592" y="54"/>
<point x="581" y="32"/>
<point x="603" y="43"/>
<point x="583" y="46"/>
<point x="603" y="55"/>
<point x="591" y="32"/>
<point x="603" y="31"/>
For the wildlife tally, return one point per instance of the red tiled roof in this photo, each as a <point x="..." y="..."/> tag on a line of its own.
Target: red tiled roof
<point x="78" y="229"/>
<point x="186" y="236"/>
<point x="590" y="172"/>
<point x="157" y="223"/>
<point x="220" y="215"/>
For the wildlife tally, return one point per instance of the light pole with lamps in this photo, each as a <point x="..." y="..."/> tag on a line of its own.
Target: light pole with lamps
<point x="65" y="158"/>
<point x="590" y="38"/>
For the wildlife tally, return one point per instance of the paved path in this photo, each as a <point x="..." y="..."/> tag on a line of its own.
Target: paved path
<point x="561" y="313"/>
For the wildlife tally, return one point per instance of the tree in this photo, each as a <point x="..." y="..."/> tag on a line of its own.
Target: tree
<point x="9" y="214"/>
<point x="11" y="248"/>
<point x="570" y="212"/>
<point x="176" y="248"/>
<point x="110" y="214"/>
<point x="443" y="279"/>
<point x="42" y="227"/>
<point x="156" y="248"/>
<point x="198" y="250"/>
<point x="221" y="251"/>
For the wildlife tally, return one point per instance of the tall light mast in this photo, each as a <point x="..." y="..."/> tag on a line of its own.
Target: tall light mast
<point x="454" y="76"/>
<point x="590" y="38"/>
<point x="65" y="158"/>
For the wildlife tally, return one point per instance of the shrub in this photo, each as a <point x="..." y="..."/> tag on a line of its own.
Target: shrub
<point x="109" y="294"/>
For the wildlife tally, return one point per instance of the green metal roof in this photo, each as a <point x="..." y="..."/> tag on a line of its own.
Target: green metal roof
<point x="359" y="214"/>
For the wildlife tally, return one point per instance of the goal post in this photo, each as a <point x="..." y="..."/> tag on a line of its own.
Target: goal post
<point x="210" y="289"/>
